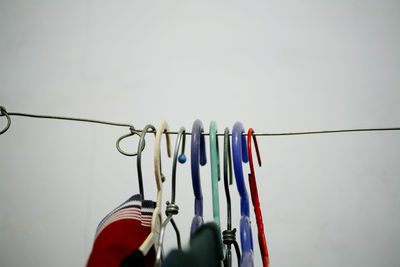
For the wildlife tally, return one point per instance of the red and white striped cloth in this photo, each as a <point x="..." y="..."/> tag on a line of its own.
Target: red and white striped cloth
<point x="121" y="232"/>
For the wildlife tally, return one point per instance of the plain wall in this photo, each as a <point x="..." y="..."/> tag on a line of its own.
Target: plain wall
<point x="276" y="66"/>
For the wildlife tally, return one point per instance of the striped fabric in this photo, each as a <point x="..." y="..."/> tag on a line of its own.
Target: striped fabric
<point x="134" y="208"/>
<point x="121" y="232"/>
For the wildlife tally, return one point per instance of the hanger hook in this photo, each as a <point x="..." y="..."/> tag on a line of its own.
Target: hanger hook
<point x="227" y="172"/>
<point x="214" y="143"/>
<point x="250" y="133"/>
<point x="181" y="158"/>
<point x="229" y="235"/>
<point x="254" y="197"/>
<point x="198" y="157"/>
<point x="160" y="177"/>
<point x="215" y="172"/>
<point x="173" y="209"/>
<point x="139" y="155"/>
<point x="3" y="112"/>
<point x="239" y="152"/>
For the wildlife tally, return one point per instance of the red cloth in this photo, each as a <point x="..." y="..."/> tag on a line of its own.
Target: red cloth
<point x="121" y="232"/>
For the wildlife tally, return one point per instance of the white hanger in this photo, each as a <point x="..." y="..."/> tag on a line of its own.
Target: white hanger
<point x="154" y="236"/>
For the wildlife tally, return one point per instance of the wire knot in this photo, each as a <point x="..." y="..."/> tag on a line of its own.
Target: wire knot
<point x="3" y="111"/>
<point x="171" y="209"/>
<point x="229" y="236"/>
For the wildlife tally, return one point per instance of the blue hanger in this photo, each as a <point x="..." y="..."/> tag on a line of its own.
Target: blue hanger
<point x="239" y="152"/>
<point x="198" y="157"/>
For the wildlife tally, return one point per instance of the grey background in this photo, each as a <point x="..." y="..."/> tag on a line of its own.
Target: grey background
<point x="327" y="200"/>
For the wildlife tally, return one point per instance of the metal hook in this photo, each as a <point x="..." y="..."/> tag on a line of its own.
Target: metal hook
<point x="133" y="132"/>
<point x="4" y="113"/>
<point x="227" y="170"/>
<point x="229" y="235"/>
<point x="139" y="155"/>
<point x="173" y="209"/>
<point x="181" y="158"/>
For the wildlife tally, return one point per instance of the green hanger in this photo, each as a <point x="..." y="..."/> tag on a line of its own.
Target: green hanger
<point x="215" y="170"/>
<point x="215" y="174"/>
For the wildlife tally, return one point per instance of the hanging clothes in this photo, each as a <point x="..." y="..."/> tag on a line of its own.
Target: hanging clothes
<point x="122" y="232"/>
<point x="205" y="249"/>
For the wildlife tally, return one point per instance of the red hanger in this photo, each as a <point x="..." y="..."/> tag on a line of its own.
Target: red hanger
<point x="254" y="198"/>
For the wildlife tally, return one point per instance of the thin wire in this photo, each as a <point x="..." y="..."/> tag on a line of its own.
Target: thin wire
<point x="330" y="131"/>
<point x="189" y="133"/>
<point x="70" y="119"/>
<point x="309" y="132"/>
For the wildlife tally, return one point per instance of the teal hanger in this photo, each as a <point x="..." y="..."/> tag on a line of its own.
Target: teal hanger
<point x="215" y="170"/>
<point x="215" y="174"/>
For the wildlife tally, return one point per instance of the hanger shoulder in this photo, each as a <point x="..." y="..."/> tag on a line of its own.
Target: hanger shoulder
<point x="154" y="236"/>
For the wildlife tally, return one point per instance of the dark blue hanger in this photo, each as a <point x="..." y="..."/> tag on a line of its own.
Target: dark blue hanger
<point x="198" y="157"/>
<point x="239" y="152"/>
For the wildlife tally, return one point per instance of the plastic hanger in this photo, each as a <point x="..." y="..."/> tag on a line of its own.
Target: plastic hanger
<point x="229" y="235"/>
<point x="153" y="237"/>
<point x="172" y="208"/>
<point x="215" y="170"/>
<point x="198" y="157"/>
<point x="141" y="145"/>
<point x="215" y="175"/>
<point x="239" y="151"/>
<point x="254" y="197"/>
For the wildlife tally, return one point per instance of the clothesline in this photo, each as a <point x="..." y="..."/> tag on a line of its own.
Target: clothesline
<point x="123" y="214"/>
<point x="134" y="130"/>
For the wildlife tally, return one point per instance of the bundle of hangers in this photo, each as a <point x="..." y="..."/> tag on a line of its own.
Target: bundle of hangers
<point x="207" y="248"/>
<point x="133" y="233"/>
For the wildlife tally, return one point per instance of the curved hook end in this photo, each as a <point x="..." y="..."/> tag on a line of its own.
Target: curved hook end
<point x="168" y="142"/>
<point x="245" y="156"/>
<point x="251" y="132"/>
<point x="203" y="155"/>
